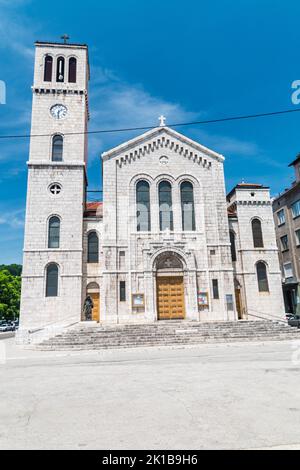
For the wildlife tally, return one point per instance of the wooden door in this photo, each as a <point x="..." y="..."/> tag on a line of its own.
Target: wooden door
<point x="96" y="308"/>
<point x="238" y="303"/>
<point x="170" y="298"/>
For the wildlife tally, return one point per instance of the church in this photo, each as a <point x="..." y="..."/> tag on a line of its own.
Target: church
<point x="165" y="243"/>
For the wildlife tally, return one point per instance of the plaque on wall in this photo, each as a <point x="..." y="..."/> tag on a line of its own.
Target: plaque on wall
<point x="138" y="300"/>
<point x="202" y="299"/>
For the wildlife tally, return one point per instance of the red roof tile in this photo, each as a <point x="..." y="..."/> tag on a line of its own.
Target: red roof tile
<point x="93" y="206"/>
<point x="93" y="209"/>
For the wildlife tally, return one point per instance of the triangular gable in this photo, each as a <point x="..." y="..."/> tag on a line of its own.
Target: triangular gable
<point x="161" y="137"/>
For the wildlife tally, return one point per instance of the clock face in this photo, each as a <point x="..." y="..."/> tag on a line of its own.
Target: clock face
<point x="58" y="111"/>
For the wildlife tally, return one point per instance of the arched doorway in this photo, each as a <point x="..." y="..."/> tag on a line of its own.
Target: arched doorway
<point x="169" y="287"/>
<point x="238" y="299"/>
<point x="93" y="291"/>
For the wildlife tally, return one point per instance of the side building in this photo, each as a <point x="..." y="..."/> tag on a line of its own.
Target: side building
<point x="286" y="210"/>
<point x="254" y="253"/>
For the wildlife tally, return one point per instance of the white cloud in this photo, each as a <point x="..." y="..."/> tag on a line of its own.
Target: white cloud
<point x="117" y="104"/>
<point x="13" y="219"/>
<point x="16" y="30"/>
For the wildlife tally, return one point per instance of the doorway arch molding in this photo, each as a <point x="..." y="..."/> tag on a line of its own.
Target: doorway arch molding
<point x="186" y="258"/>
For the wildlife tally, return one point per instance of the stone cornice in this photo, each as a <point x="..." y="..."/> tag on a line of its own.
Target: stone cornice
<point x="162" y="137"/>
<point x="55" y="164"/>
<point x="162" y="143"/>
<point x="62" y="91"/>
<point x="253" y="203"/>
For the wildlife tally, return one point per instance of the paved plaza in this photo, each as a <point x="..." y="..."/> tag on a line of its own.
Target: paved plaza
<point x="210" y="396"/>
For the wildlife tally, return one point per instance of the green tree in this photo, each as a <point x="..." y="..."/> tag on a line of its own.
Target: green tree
<point x="14" y="269"/>
<point x="10" y="293"/>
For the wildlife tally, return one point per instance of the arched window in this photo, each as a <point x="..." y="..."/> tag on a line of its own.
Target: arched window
<point x="93" y="248"/>
<point x="187" y="206"/>
<point x="232" y="245"/>
<point x="48" y="64"/>
<point x="60" y="69"/>
<point x="143" y="206"/>
<point x="57" y="148"/>
<point x="257" y="234"/>
<point x="72" y="70"/>
<point x="165" y="206"/>
<point x="262" y="278"/>
<point x="53" y="232"/>
<point x="52" y="280"/>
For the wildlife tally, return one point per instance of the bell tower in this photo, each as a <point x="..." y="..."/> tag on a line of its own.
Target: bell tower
<point x="53" y="245"/>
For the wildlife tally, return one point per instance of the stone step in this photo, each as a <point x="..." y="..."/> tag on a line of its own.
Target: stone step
<point x="104" y="336"/>
<point x="173" y="324"/>
<point x="87" y="346"/>
<point x="104" y="333"/>
<point x="111" y="335"/>
<point x="167" y="334"/>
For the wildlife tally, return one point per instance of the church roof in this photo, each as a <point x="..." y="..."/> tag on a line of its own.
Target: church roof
<point x="157" y="132"/>
<point x="68" y="44"/>
<point x="93" y="209"/>
<point x="295" y="161"/>
<point x="246" y="186"/>
<point x="231" y="211"/>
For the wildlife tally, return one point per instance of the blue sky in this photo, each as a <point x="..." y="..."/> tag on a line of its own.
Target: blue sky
<point x="188" y="60"/>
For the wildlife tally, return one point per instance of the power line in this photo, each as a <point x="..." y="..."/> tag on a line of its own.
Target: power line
<point x="144" y="128"/>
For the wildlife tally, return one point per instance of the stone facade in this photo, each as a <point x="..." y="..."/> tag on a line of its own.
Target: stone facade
<point x="129" y="260"/>
<point x="286" y="209"/>
<point x="205" y="252"/>
<point x="246" y="203"/>
<point x="38" y="310"/>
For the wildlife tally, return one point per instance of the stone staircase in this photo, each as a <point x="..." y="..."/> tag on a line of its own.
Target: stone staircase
<point x="171" y="333"/>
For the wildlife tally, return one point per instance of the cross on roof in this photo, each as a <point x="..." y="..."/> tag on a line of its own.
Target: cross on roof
<point x="162" y="120"/>
<point x="65" y="37"/>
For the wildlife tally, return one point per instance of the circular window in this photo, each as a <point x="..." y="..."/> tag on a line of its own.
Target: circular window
<point x="55" y="188"/>
<point x="164" y="160"/>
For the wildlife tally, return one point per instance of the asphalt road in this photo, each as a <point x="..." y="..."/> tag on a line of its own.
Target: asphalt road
<point x="233" y="396"/>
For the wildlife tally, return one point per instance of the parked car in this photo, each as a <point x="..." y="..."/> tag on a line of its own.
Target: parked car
<point x="8" y="326"/>
<point x="294" y="320"/>
<point x="4" y="327"/>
